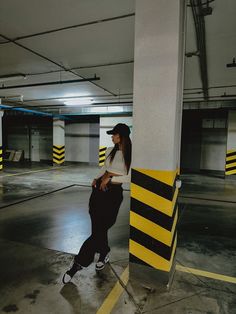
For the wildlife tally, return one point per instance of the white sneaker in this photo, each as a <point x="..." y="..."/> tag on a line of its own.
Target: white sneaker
<point x="66" y="278"/>
<point x="102" y="262"/>
<point x="71" y="272"/>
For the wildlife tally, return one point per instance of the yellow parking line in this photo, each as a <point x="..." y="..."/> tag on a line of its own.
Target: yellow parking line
<point x="28" y="172"/>
<point x="114" y="295"/>
<point x="206" y="274"/>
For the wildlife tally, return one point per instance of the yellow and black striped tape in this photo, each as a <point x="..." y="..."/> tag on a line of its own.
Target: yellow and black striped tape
<point x="58" y="154"/>
<point x="102" y="156"/>
<point x="153" y="218"/>
<point x="1" y="161"/>
<point x="230" y="167"/>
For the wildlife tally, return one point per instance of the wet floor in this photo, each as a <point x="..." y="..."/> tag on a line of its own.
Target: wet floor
<point x="40" y="233"/>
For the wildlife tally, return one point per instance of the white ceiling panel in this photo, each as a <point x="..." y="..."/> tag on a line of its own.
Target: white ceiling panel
<point x="117" y="78"/>
<point x="101" y="43"/>
<point x="24" y="17"/>
<point x="102" y="98"/>
<point x="14" y="59"/>
<point x="64" y="90"/>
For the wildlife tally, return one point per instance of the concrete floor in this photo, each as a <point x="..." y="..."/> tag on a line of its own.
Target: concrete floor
<point x="39" y="235"/>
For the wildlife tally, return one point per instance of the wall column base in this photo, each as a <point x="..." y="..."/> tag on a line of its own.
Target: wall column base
<point x="152" y="278"/>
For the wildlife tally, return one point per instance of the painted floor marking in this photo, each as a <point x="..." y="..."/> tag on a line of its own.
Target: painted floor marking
<point x="207" y="274"/>
<point x="28" y="172"/>
<point x="115" y="294"/>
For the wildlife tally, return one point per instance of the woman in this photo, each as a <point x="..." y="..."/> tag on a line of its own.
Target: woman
<point x="105" y="201"/>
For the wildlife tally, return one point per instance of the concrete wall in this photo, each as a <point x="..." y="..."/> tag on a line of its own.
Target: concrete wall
<point x="204" y="137"/>
<point x="82" y="142"/>
<point x="45" y="143"/>
<point x="18" y="139"/>
<point x="213" y="149"/>
<point x="191" y="142"/>
<point x="81" y="138"/>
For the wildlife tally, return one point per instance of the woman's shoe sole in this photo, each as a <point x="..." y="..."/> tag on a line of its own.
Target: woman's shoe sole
<point x="102" y="267"/>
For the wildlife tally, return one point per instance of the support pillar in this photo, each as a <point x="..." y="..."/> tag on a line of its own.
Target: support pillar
<point x="1" y="152"/>
<point x="58" y="141"/>
<point x="230" y="166"/>
<point x="157" y="115"/>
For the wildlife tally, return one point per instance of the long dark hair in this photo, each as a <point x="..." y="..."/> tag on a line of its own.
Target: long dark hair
<point x="126" y="147"/>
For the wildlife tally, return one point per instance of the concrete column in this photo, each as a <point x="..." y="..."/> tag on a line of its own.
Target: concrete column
<point x="157" y="115"/>
<point x="58" y="141"/>
<point x="1" y="153"/>
<point x="230" y="167"/>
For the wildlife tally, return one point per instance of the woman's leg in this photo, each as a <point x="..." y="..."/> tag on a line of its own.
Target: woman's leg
<point x="88" y="249"/>
<point x="108" y="219"/>
<point x="86" y="254"/>
<point x="103" y="209"/>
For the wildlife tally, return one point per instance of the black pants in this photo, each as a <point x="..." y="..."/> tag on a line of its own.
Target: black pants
<point x="103" y="210"/>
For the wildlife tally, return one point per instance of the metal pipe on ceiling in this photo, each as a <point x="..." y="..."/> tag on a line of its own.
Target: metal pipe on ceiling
<point x="34" y="112"/>
<point x="121" y="103"/>
<point x="84" y="67"/>
<point x="71" y="27"/>
<point x="204" y="3"/>
<point x="81" y="97"/>
<point x="200" y="98"/>
<point x="56" y="63"/>
<point x="51" y="83"/>
<point x="199" y="22"/>
<point x="211" y="87"/>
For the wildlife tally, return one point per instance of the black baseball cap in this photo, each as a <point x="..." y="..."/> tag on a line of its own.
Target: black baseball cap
<point x="121" y="129"/>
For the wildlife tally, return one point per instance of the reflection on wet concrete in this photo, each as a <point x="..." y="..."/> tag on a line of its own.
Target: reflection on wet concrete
<point x="39" y="236"/>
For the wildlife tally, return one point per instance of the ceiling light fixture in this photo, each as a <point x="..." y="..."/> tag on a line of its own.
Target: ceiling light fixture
<point x="107" y="109"/>
<point x="78" y="102"/>
<point x="13" y="77"/>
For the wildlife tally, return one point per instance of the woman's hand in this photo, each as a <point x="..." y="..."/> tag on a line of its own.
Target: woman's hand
<point x="94" y="183"/>
<point x="103" y="185"/>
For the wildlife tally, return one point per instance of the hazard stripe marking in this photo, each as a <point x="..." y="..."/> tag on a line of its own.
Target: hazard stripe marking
<point x="152" y="244"/>
<point x="102" y="149"/>
<point x="232" y="165"/>
<point x="230" y="159"/>
<point x="231" y="153"/>
<point x="150" y="257"/>
<point x="154" y="200"/>
<point x="153" y="214"/>
<point x="153" y="230"/>
<point x="162" y="189"/>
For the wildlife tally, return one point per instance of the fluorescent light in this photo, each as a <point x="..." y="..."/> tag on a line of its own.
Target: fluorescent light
<point x="112" y="109"/>
<point x="97" y="109"/>
<point x="78" y="101"/>
<point x="12" y="77"/>
<point x="115" y="109"/>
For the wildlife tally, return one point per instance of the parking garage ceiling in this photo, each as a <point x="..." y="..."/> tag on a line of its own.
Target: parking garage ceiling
<point x="55" y="41"/>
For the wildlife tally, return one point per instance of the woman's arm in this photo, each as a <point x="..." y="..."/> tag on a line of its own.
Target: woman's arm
<point x="116" y="178"/>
